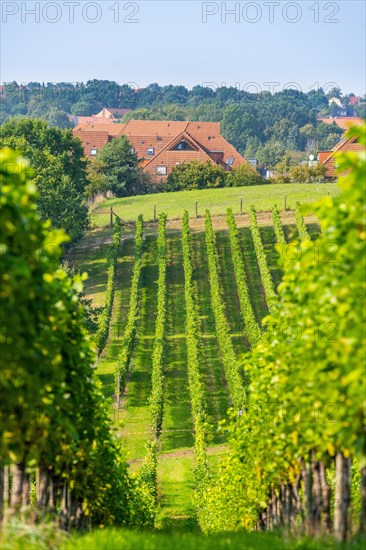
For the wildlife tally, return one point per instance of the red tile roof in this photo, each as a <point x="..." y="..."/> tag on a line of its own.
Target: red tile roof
<point x="103" y="125"/>
<point x="204" y="139"/>
<point x="162" y="128"/>
<point x="343" y="122"/>
<point x="328" y="157"/>
<point x="92" y="140"/>
<point x="354" y="100"/>
<point x="93" y="119"/>
<point x="118" y="111"/>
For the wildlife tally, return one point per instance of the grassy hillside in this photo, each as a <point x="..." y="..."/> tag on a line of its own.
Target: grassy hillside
<point x="216" y="200"/>
<point x="176" y="458"/>
<point x="176" y="518"/>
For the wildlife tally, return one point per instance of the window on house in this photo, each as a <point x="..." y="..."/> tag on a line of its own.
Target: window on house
<point x="183" y="146"/>
<point x="93" y="152"/>
<point x="230" y="161"/>
<point x="150" y="151"/>
<point x="161" y="170"/>
<point x="132" y="150"/>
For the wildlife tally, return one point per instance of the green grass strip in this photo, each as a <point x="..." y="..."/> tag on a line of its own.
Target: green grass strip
<point x="106" y="314"/>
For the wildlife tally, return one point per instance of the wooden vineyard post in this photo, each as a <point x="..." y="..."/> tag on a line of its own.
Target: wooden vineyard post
<point x="196" y="209"/>
<point x="241" y="205"/>
<point x="285" y="202"/>
<point x="111" y="217"/>
<point x="16" y="487"/>
<point x="307" y="479"/>
<point x="118" y="390"/>
<point x="325" y="499"/>
<point x="362" y="528"/>
<point x="2" y="491"/>
<point x="342" y="496"/>
<point x="154" y="212"/>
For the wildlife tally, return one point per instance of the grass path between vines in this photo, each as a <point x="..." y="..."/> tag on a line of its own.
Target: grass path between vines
<point x="229" y="293"/>
<point x="107" y="363"/>
<point x="177" y="424"/>
<point x="254" y="281"/>
<point x="211" y="364"/>
<point x="135" y="410"/>
<point x="175" y="478"/>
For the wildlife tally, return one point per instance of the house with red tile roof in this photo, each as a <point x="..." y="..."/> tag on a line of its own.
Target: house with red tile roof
<point x="162" y="145"/>
<point x="328" y="158"/>
<point x="354" y="100"/>
<point x="343" y="122"/>
<point x="111" y="114"/>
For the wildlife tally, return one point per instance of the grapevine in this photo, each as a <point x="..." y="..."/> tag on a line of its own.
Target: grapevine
<point x="251" y="326"/>
<point x="124" y="356"/>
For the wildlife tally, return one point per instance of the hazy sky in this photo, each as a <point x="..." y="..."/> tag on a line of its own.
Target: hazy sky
<point x="262" y="45"/>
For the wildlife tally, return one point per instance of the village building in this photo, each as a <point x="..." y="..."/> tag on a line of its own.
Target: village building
<point x="329" y="158"/>
<point x="343" y="122"/>
<point x="162" y="145"/>
<point x="109" y="114"/>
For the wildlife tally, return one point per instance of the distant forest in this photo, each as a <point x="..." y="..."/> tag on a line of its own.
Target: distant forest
<point x="261" y="125"/>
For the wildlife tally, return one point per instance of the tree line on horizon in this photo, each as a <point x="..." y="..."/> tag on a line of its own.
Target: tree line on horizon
<point x="261" y="125"/>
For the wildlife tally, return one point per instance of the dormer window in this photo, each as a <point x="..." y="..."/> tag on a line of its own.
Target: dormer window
<point x="93" y="152"/>
<point x="133" y="150"/>
<point x="230" y="161"/>
<point x="150" y="151"/>
<point x="183" y="146"/>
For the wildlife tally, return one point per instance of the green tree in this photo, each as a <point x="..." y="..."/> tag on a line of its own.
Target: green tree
<point x="285" y="131"/>
<point x="60" y="171"/>
<point x="270" y="153"/>
<point x="282" y="168"/>
<point x="196" y="175"/>
<point x="97" y="183"/>
<point x="360" y="108"/>
<point x="238" y="125"/>
<point x="57" y="117"/>
<point x="308" y="134"/>
<point x="53" y="416"/>
<point x="139" y="114"/>
<point x="120" y="168"/>
<point x="86" y="107"/>
<point x="251" y="148"/>
<point x="307" y="174"/>
<point x="243" y="175"/>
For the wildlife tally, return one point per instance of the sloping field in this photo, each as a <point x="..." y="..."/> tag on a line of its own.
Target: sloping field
<point x="216" y="200"/>
<point x="176" y="441"/>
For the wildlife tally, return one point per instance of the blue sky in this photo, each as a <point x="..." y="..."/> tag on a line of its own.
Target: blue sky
<point x="263" y="45"/>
